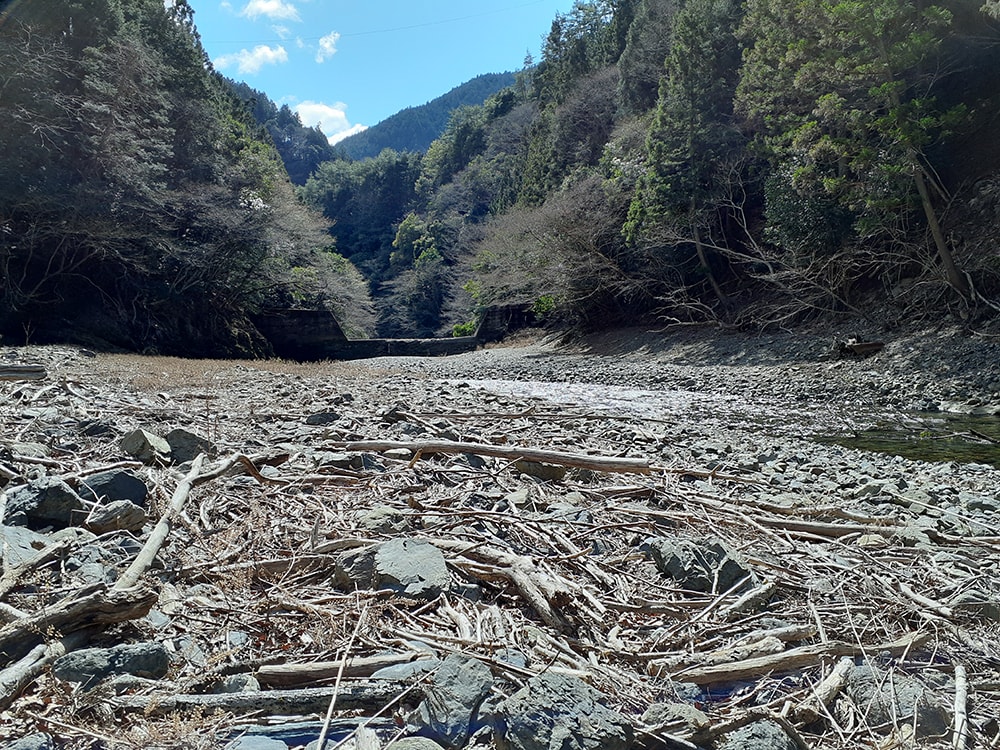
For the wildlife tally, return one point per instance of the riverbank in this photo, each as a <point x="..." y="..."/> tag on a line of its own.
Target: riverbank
<point x="719" y="580"/>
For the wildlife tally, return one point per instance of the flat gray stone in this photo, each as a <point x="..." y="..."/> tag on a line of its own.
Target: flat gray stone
<point x="119" y="515"/>
<point x="559" y="712"/>
<point x="411" y="567"/>
<point x="256" y="742"/>
<point x="91" y="665"/>
<point x="36" y="741"/>
<point x="450" y="708"/>
<point x="19" y="544"/>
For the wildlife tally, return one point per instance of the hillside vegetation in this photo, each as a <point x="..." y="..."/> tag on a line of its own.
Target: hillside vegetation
<point x="415" y="128"/>
<point x="746" y="163"/>
<point x="140" y="205"/>
<point x="750" y="163"/>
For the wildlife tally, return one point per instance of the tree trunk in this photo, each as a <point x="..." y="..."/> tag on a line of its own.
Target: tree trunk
<point x="955" y="276"/>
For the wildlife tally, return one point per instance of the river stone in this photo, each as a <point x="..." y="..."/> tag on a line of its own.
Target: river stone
<point x="256" y="742"/>
<point x="186" y="446"/>
<point x="660" y="714"/>
<point x="120" y="515"/>
<point x="109" y="486"/>
<point x="885" y="700"/>
<point x="559" y="712"/>
<point x="321" y="418"/>
<point x="145" y="446"/>
<point x="540" y="471"/>
<point x="449" y="711"/>
<point x="411" y="567"/>
<point x="708" y="565"/>
<point x="91" y="665"/>
<point x="36" y="741"/>
<point x="760" y="735"/>
<point x="43" y="503"/>
<point x="19" y="544"/>
<point x="415" y="743"/>
<point x="383" y="519"/>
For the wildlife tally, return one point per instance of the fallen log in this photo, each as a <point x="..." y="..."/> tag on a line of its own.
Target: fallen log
<point x="367" y="695"/>
<point x="22" y="372"/>
<point x="609" y="464"/>
<point x="287" y="675"/>
<point x="796" y="658"/>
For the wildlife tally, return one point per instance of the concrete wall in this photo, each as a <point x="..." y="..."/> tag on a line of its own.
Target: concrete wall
<point x="312" y="335"/>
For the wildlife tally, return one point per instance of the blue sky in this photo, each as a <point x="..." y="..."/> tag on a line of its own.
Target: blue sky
<point x="348" y="64"/>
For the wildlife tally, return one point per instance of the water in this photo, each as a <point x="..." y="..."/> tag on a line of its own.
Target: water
<point x="931" y="437"/>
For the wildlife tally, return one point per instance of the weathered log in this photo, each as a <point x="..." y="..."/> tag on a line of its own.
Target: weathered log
<point x="366" y="695"/>
<point x="812" y="708"/>
<point x="796" y="658"/>
<point x="511" y="453"/>
<point x="287" y="675"/>
<point x="95" y="606"/>
<point x="22" y="372"/>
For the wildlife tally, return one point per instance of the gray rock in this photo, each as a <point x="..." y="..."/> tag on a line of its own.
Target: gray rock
<point x="109" y="486"/>
<point x="18" y="544"/>
<point x="145" y="446"/>
<point x="406" y="671"/>
<point x="236" y="683"/>
<point x="43" y="503"/>
<point x="415" y="743"/>
<point x="411" y="567"/>
<point x="91" y="665"/>
<point x="884" y="699"/>
<point x="673" y="713"/>
<point x="406" y="566"/>
<point x="450" y="708"/>
<point x="760" y="735"/>
<point x="186" y="445"/>
<point x="256" y="742"/>
<point x="383" y="519"/>
<point x="322" y="418"/>
<point x="36" y="741"/>
<point x="120" y="515"/>
<point x="540" y="471"/>
<point x="560" y="712"/>
<point x="708" y="565"/>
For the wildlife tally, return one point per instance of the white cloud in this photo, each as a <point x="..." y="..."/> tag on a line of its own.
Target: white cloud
<point x="251" y="61"/>
<point x="270" y="8"/>
<point x="331" y="118"/>
<point x="327" y="46"/>
<point x="283" y="32"/>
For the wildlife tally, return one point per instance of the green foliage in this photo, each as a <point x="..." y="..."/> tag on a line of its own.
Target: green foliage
<point x="464" y="329"/>
<point x="415" y="128"/>
<point x="136" y="199"/>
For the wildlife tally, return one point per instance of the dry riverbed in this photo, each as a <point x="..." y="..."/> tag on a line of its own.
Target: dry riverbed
<point x="637" y="540"/>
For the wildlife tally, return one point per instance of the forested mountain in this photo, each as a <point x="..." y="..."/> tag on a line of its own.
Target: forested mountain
<point x="414" y="128"/>
<point x="748" y="163"/>
<point x="140" y="205"/>
<point x="302" y="149"/>
<point x="745" y="162"/>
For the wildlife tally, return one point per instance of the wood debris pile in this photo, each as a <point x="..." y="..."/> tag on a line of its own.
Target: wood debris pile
<point x="268" y="569"/>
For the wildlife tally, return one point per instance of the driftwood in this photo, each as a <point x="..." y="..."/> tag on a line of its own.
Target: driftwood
<point x="16" y="678"/>
<point x="823" y="695"/>
<point x="96" y="606"/>
<point x="287" y="675"/>
<point x="22" y="372"/>
<point x="576" y="460"/>
<point x="367" y="695"/>
<point x="796" y="658"/>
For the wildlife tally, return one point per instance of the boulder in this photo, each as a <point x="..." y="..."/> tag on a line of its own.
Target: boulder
<point x="145" y="446"/>
<point x="120" y="515"/>
<point x="706" y="565"/>
<point x="109" y="486"/>
<point x="760" y="735"/>
<point x="407" y="566"/>
<point x="559" y="712"/>
<point x="36" y="741"/>
<point x="185" y="446"/>
<point x="448" y="713"/>
<point x="91" y="665"/>
<point x="885" y="700"/>
<point x="47" y="502"/>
